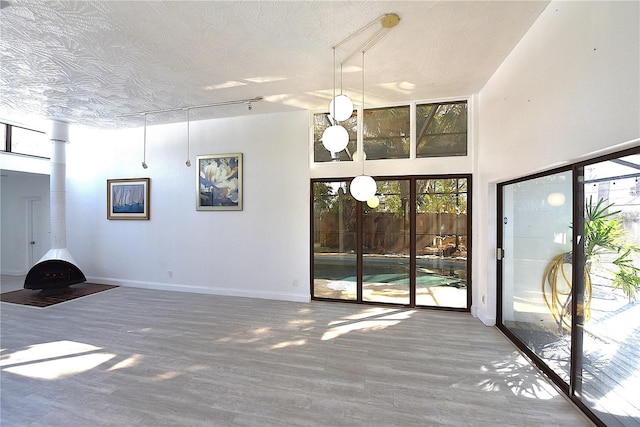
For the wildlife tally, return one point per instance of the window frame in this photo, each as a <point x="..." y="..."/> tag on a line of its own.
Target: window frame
<point x="358" y="110"/>
<point x="9" y="140"/>
<point x="360" y="212"/>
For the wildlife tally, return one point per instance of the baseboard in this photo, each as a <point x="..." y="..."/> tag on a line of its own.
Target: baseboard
<point x="14" y="272"/>
<point x="488" y="320"/>
<point x="200" y="290"/>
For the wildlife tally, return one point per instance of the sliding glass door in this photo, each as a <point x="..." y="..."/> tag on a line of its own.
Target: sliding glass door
<point x="536" y="294"/>
<point x="569" y="279"/>
<point x="442" y="242"/>
<point x="386" y="269"/>
<point x="609" y="372"/>
<point x="334" y="241"/>
<point x="410" y="246"/>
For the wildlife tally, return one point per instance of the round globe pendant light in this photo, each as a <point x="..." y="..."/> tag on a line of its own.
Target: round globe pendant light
<point x="363" y="188"/>
<point x="335" y="138"/>
<point x="357" y="154"/>
<point x="373" y="202"/>
<point x="556" y="199"/>
<point x="341" y="108"/>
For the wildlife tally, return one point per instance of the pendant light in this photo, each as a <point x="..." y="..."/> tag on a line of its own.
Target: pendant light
<point x="373" y="202"/>
<point x="188" y="162"/>
<point x="335" y="138"/>
<point x="144" y="144"/>
<point x="341" y="106"/>
<point x="363" y="187"/>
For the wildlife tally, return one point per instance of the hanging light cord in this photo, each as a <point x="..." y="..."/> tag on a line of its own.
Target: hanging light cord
<point x="188" y="162"/>
<point x="363" y="159"/>
<point x="332" y="113"/>
<point x="144" y="144"/>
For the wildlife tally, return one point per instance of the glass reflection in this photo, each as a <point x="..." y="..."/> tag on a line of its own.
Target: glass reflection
<point x="385" y="271"/>
<point x="334" y="241"/>
<point x="441" y="242"/>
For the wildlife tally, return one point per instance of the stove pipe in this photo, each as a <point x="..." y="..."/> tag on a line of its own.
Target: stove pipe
<point x="57" y="269"/>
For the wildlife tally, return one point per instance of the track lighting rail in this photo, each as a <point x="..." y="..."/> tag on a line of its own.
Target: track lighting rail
<point x="247" y="101"/>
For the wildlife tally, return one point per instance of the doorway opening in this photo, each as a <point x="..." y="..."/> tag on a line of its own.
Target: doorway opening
<point x="569" y="280"/>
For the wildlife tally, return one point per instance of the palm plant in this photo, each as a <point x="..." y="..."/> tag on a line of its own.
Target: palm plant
<point x="604" y="236"/>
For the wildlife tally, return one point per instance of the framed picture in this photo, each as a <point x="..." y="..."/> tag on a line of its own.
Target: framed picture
<point x="219" y="182"/>
<point x="128" y="198"/>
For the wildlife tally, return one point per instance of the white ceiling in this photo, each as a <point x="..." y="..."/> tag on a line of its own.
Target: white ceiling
<point x="91" y="62"/>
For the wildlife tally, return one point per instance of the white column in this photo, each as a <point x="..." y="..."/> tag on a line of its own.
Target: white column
<point x="59" y="136"/>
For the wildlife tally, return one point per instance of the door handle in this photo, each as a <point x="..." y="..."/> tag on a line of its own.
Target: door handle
<point x="32" y="242"/>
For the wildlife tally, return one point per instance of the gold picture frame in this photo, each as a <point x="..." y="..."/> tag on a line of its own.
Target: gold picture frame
<point x="219" y="182"/>
<point x="128" y="198"/>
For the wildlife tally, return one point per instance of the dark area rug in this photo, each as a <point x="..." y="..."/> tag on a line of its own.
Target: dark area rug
<point x="31" y="297"/>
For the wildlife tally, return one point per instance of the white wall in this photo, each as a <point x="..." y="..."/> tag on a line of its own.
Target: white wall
<point x="261" y="251"/>
<point x="15" y="192"/>
<point x="569" y="89"/>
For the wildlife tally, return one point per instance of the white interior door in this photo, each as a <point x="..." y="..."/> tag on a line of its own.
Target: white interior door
<point x="34" y="232"/>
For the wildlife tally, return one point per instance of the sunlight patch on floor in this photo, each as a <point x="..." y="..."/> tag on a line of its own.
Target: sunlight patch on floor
<point x="166" y="376"/>
<point x="247" y="337"/>
<point x="47" y="350"/>
<point x="61" y="368"/>
<point x="129" y="362"/>
<point x="368" y="312"/>
<point x="518" y="376"/>
<point x="291" y="343"/>
<point x="54" y="360"/>
<point x="372" y="319"/>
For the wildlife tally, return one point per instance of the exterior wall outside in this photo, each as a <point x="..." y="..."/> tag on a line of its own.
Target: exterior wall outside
<point x="261" y="251"/>
<point x="569" y="90"/>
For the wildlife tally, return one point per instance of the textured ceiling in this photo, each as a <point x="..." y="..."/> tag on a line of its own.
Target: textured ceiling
<point x="93" y="62"/>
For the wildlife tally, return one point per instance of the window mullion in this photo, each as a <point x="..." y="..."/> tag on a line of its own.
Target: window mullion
<point x="412" y="131"/>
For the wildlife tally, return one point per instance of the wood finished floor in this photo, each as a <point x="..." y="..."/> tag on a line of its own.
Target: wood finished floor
<point x="136" y="357"/>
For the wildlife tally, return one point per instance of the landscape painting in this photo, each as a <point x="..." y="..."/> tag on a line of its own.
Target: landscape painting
<point x="128" y="198"/>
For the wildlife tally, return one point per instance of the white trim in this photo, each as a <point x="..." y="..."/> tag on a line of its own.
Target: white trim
<point x="199" y="289"/>
<point x="14" y="272"/>
<point x="403" y="104"/>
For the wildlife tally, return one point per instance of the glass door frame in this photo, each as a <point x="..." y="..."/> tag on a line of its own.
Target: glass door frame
<point x="500" y="255"/>
<point x="573" y="389"/>
<point x="412" y="179"/>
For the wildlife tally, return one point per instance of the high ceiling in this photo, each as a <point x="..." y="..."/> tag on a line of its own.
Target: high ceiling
<point x="96" y="63"/>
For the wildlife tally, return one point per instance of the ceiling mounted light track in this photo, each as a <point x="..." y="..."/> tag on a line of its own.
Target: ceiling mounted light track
<point x="247" y="102"/>
<point x="387" y="21"/>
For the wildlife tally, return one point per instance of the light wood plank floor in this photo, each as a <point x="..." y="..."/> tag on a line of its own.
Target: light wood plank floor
<point x="136" y="357"/>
